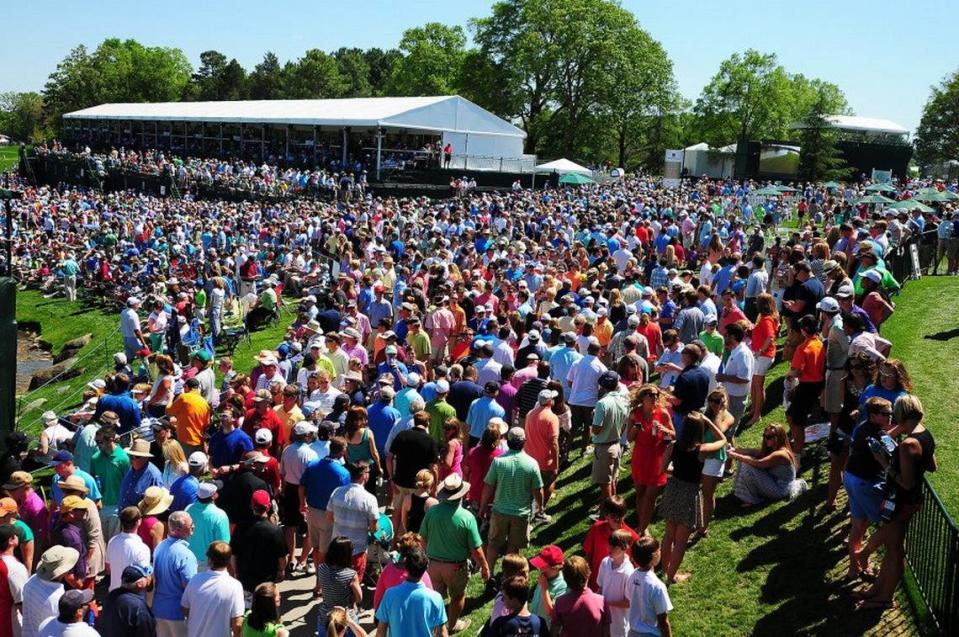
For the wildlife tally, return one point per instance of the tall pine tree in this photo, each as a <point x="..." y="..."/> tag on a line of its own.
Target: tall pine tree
<point x="819" y="158"/>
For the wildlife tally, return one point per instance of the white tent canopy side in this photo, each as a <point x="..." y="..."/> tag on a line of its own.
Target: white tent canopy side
<point x="471" y="129"/>
<point x="563" y="166"/>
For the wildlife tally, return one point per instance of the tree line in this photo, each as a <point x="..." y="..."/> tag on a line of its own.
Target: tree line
<point x="581" y="77"/>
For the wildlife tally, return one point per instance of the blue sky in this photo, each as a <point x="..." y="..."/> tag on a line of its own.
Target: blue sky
<point x="883" y="54"/>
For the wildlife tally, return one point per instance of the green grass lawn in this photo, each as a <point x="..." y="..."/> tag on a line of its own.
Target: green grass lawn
<point x="8" y="157"/>
<point x="775" y="570"/>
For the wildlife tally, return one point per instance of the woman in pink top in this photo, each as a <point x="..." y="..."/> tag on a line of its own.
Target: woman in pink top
<point x="451" y="460"/>
<point x="730" y="312"/>
<point x="479" y="459"/>
<point x="394" y="573"/>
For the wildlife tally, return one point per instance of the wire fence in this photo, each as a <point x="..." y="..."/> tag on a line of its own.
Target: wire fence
<point x="932" y="552"/>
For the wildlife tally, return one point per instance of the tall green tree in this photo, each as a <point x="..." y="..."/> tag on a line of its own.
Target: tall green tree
<point x="381" y="64"/>
<point x="117" y="71"/>
<point x="937" y="138"/>
<point x="819" y="158"/>
<point x="748" y="98"/>
<point x="73" y="85"/>
<point x="638" y="99"/>
<point x="314" y="76"/>
<point x="353" y="66"/>
<point x="520" y="42"/>
<point x="432" y="61"/>
<point x="21" y="116"/>
<point x="205" y="82"/>
<point x="266" y="80"/>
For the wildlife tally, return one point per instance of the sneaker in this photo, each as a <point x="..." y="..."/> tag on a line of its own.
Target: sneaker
<point x="461" y="625"/>
<point x="492" y="586"/>
<point x="542" y="517"/>
<point x="308" y="568"/>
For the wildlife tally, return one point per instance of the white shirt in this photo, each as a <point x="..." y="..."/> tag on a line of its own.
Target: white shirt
<point x="740" y="365"/>
<point x="711" y="364"/>
<point x="648" y="598"/>
<point x="53" y="628"/>
<point x="129" y="323"/>
<point x="17" y="576"/>
<point x="583" y="380"/>
<point x="293" y="461"/>
<point x="214" y="599"/>
<point x="41" y="601"/>
<point x="613" y="581"/>
<point x="125" y="549"/>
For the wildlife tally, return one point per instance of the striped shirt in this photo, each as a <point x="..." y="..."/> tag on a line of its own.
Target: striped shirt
<point x="354" y="510"/>
<point x="41" y="601"/>
<point x="514" y="475"/>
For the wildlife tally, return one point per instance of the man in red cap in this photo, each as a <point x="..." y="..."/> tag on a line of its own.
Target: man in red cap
<point x="549" y="563"/>
<point x="259" y="548"/>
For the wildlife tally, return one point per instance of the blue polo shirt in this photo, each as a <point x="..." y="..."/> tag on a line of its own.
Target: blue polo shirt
<point x="123" y="406"/>
<point x="88" y="481"/>
<point x="229" y="448"/>
<point x="184" y="491"/>
<point x="174" y="565"/>
<point x="411" y="610"/>
<point x="320" y="479"/>
<point x="381" y="417"/>
<point x="135" y="483"/>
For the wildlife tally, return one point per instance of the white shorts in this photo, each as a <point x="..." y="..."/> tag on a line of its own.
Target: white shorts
<point x="761" y="365"/>
<point x="713" y="467"/>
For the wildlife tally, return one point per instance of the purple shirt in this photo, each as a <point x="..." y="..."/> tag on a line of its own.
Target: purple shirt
<point x="35" y="514"/>
<point x="507" y="400"/>
<point x="69" y="535"/>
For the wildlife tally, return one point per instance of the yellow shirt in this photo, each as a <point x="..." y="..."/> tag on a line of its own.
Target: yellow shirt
<point x="192" y="415"/>
<point x="288" y="419"/>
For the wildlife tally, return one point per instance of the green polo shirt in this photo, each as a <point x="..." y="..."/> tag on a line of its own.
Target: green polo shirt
<point x="450" y="532"/>
<point x="420" y="343"/>
<point x="110" y="469"/>
<point x="611" y="413"/>
<point x="713" y="342"/>
<point x="440" y="411"/>
<point x="514" y="475"/>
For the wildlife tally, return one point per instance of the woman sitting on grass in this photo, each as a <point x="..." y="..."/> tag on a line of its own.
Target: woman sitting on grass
<point x="767" y="473"/>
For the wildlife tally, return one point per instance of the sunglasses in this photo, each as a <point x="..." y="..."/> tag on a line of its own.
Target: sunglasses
<point x="716" y="401"/>
<point x="768" y="436"/>
<point x="886" y="414"/>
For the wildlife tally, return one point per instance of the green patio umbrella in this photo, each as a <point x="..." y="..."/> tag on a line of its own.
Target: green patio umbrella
<point x="831" y="184"/>
<point x="768" y="191"/>
<point x="931" y="194"/>
<point x="785" y="189"/>
<point x="872" y="199"/>
<point x="911" y="204"/>
<point x="949" y="195"/>
<point x="575" y="179"/>
<point x="880" y="188"/>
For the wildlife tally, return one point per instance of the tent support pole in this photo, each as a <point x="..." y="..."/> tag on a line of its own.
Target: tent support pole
<point x="379" y="150"/>
<point x="346" y="136"/>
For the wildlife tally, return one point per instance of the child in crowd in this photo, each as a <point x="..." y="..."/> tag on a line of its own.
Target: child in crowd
<point x="579" y="611"/>
<point x="596" y="545"/>
<point x="649" y="603"/>
<point x="518" y="622"/>
<point x="614" y="573"/>
<point x="551" y="584"/>
<point x="513" y="565"/>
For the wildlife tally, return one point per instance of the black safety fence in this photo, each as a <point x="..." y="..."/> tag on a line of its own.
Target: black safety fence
<point x="932" y="552"/>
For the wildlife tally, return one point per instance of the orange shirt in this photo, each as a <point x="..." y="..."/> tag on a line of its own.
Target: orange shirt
<point x="603" y="331"/>
<point x="766" y="327"/>
<point x="542" y="433"/>
<point x="810" y="360"/>
<point x="192" y="415"/>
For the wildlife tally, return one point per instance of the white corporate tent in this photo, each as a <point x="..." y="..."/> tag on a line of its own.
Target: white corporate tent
<point x="563" y="167"/>
<point x="470" y="129"/>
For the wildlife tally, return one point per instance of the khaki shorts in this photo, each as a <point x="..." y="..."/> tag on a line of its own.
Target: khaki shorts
<point x="449" y="579"/>
<point x="320" y="529"/>
<point x="398" y="494"/>
<point x="606" y="463"/>
<point x="833" y="394"/>
<point x="511" y="529"/>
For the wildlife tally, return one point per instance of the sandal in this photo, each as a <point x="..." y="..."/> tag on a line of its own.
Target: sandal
<point x="876" y="604"/>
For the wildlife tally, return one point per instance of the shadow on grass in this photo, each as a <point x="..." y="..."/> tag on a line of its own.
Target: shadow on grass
<point x="802" y="585"/>
<point x="943" y="336"/>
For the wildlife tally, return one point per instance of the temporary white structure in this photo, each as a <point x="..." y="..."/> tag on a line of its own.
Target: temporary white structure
<point x="470" y="129"/>
<point x="563" y="167"/>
